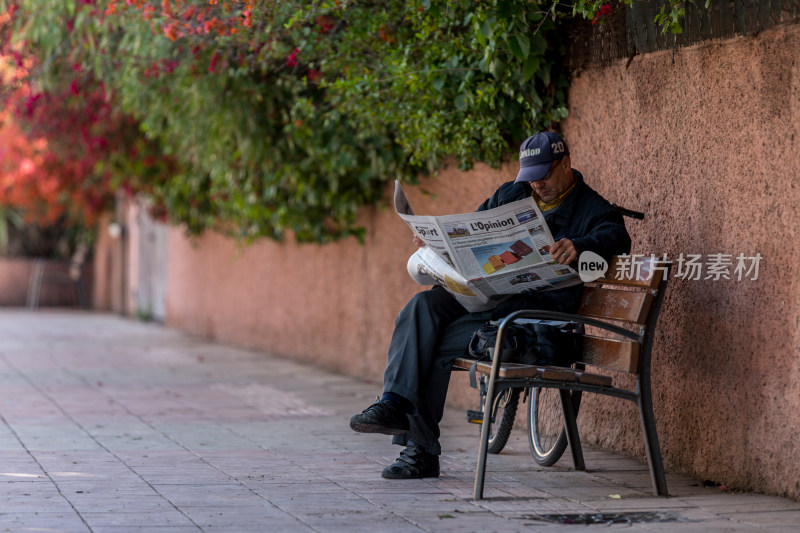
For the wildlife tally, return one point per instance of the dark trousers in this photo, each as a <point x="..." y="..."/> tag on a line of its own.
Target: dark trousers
<point x="430" y="331"/>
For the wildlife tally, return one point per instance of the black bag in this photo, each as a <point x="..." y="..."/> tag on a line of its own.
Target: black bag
<point x="482" y="344"/>
<point x="529" y="343"/>
<point x="559" y="344"/>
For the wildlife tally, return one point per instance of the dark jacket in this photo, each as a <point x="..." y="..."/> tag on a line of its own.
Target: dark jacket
<point x="585" y="218"/>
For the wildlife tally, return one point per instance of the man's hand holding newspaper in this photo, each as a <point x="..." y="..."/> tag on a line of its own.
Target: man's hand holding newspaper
<point x="483" y="257"/>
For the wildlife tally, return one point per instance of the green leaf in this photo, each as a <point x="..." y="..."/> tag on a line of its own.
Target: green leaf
<point x="486" y="29"/>
<point x="523" y="43"/>
<point x="539" y="44"/>
<point x="480" y="38"/>
<point x="497" y="67"/>
<point x="544" y="74"/>
<point x="530" y="67"/>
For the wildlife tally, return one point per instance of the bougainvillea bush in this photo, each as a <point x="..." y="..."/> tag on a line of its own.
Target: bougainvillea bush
<point x="59" y="143"/>
<point x="262" y="117"/>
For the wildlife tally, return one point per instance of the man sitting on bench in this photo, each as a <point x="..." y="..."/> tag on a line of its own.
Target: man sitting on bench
<point x="422" y="349"/>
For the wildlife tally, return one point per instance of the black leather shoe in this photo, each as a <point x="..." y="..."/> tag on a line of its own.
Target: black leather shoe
<point x="380" y="417"/>
<point x="413" y="463"/>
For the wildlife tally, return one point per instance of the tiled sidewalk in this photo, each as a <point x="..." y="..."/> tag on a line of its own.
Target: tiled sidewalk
<point x="112" y="425"/>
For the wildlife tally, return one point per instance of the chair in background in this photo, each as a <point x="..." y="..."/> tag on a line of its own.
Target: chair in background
<point x="74" y="275"/>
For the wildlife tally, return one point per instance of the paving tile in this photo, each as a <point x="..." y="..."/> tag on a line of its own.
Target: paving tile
<point x="145" y="529"/>
<point x="638" y="504"/>
<point x="712" y="526"/>
<point x="283" y="527"/>
<point x="732" y="502"/>
<point x="192" y="495"/>
<point x="768" y="519"/>
<point x="154" y="519"/>
<point x="353" y="520"/>
<point x="45" y="521"/>
<point x="268" y="519"/>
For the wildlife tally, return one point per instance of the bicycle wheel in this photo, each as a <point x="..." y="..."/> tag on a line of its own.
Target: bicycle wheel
<point x="501" y="421"/>
<point x="547" y="436"/>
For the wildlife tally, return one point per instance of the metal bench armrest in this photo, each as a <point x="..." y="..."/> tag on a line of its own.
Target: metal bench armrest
<point x="570" y="317"/>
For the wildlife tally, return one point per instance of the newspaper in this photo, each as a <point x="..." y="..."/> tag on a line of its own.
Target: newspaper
<point x="481" y="258"/>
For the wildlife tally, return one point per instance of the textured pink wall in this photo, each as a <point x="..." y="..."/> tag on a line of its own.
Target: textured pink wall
<point x="707" y="146"/>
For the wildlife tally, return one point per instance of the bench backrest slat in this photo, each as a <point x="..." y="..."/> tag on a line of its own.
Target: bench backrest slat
<point x="643" y="272"/>
<point x="615" y="304"/>
<point x="621" y="355"/>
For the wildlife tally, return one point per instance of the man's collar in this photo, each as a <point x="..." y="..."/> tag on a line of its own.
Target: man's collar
<point x="567" y="207"/>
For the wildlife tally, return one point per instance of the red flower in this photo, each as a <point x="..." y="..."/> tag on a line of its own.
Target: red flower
<point x="291" y="60"/>
<point x="30" y="104"/>
<point x="604" y="11"/>
<point x="171" y="32"/>
<point x="168" y="66"/>
<point x="324" y="24"/>
<point x="314" y="75"/>
<point x="214" y="60"/>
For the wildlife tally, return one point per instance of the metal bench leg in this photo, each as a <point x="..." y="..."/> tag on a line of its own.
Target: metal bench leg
<point x="483" y="449"/>
<point x="657" y="476"/>
<point x="571" y="425"/>
<point x="480" y="470"/>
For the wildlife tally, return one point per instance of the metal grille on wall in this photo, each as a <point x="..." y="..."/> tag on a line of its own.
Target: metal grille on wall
<point x="631" y="30"/>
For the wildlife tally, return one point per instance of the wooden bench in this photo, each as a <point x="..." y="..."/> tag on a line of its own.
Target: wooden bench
<point x="621" y="311"/>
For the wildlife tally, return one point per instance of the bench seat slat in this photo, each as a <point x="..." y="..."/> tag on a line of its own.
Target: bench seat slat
<point x="549" y="373"/>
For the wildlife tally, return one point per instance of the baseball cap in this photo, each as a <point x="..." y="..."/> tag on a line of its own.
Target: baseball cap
<point x="537" y="153"/>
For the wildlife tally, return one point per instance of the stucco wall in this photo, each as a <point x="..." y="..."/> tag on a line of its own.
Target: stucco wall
<point x="709" y="147"/>
<point x="707" y="143"/>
